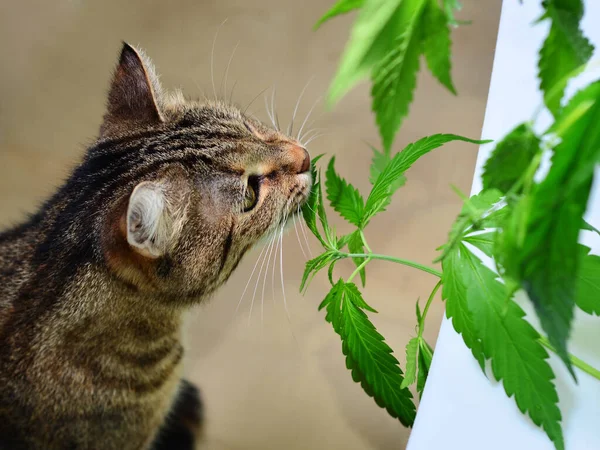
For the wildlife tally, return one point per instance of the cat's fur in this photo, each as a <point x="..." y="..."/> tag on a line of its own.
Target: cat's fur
<point x="93" y="287"/>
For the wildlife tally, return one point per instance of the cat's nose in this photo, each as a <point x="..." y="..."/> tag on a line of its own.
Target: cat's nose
<point x="301" y="159"/>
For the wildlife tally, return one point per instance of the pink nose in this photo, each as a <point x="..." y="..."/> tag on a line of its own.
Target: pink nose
<point x="301" y="159"/>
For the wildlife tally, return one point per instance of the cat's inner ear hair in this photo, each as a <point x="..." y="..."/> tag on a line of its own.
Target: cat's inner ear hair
<point x="154" y="218"/>
<point x="134" y="97"/>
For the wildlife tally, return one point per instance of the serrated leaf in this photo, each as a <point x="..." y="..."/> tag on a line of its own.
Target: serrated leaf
<point x="454" y="292"/>
<point x="394" y="81"/>
<point x="376" y="26"/>
<point x="402" y="161"/>
<point x="545" y="254"/>
<point x="355" y="245"/>
<point x="341" y="7"/>
<point x="353" y="294"/>
<point x="309" y="209"/>
<point x="511" y="158"/>
<point x="483" y="241"/>
<point x="316" y="264"/>
<point x="343" y="197"/>
<point x="333" y="304"/>
<point x="564" y="50"/>
<point x="424" y="363"/>
<point x="437" y="44"/>
<point x="410" y="373"/>
<point x="587" y="293"/>
<point x="376" y="365"/>
<point x="472" y="217"/>
<point x="517" y="357"/>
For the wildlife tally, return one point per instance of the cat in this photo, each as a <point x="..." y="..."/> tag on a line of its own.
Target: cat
<point x="94" y="285"/>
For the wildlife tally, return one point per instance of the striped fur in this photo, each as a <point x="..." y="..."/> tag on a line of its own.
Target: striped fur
<point x="90" y="348"/>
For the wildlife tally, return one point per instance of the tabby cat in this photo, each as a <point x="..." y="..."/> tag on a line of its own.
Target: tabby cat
<point x="93" y="287"/>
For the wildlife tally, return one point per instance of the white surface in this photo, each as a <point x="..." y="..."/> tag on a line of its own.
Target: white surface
<point x="460" y="408"/>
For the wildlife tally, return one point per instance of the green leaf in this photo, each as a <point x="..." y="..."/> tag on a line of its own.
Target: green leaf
<point x="564" y="50"/>
<point x="394" y="81"/>
<point x="589" y="227"/>
<point x="333" y="304"/>
<point x="309" y="209"/>
<point x="450" y="6"/>
<point x="356" y="245"/>
<point x="381" y="193"/>
<point x="544" y="250"/>
<point x="411" y="363"/>
<point x="518" y="359"/>
<point x="437" y="44"/>
<point x="424" y="363"/>
<point x="353" y="294"/>
<point x="454" y="292"/>
<point x="344" y="198"/>
<point x="511" y="158"/>
<point x="341" y="7"/>
<point x="372" y="363"/>
<point x="376" y="26"/>
<point x="316" y="264"/>
<point x="483" y="241"/>
<point x="475" y="215"/>
<point x="378" y="164"/>
<point x="587" y="293"/>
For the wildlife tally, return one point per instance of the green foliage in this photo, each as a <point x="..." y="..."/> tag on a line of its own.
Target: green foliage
<point x="437" y="44"/>
<point x="383" y="188"/>
<point x="529" y="228"/>
<point x="356" y="245"/>
<point x="565" y="49"/>
<point x="367" y="355"/>
<point x="344" y="197"/>
<point x="511" y="158"/>
<point x="341" y="7"/>
<point x="386" y="42"/>
<point x="587" y="295"/>
<point x="541" y="251"/>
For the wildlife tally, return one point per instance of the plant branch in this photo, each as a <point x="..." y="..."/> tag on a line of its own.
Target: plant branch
<point x="358" y="269"/>
<point x="429" y="300"/>
<point x="404" y="262"/>
<point x="580" y="364"/>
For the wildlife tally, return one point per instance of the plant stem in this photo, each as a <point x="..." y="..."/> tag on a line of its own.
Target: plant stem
<point x="358" y="269"/>
<point x="574" y="359"/>
<point x="364" y="239"/>
<point x="429" y="300"/>
<point x="404" y="262"/>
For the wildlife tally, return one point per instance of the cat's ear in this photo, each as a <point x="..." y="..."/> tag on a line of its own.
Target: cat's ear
<point x="134" y="95"/>
<point x="155" y="216"/>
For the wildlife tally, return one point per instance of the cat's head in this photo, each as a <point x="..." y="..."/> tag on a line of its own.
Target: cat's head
<point x="195" y="184"/>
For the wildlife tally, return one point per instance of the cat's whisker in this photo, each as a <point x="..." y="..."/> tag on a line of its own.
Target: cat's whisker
<point x="269" y="112"/>
<point x="232" y="89"/>
<point x="212" y="58"/>
<point x="304" y="234"/>
<point x="287" y="312"/>
<point x="291" y="125"/>
<point x="276" y="121"/>
<point x="299" y="242"/>
<point x="310" y="133"/>
<point x="249" y="279"/>
<point x="254" y="99"/>
<point x="257" y="281"/>
<point x="298" y="136"/>
<point x="224" y="80"/>
<point x="315" y="137"/>
<point x="273" y="271"/>
<point x="262" y="302"/>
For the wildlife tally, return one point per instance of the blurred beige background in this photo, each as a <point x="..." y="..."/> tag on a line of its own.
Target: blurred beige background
<point x="268" y="383"/>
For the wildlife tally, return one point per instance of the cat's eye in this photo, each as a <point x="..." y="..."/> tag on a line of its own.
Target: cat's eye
<point x="251" y="197"/>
